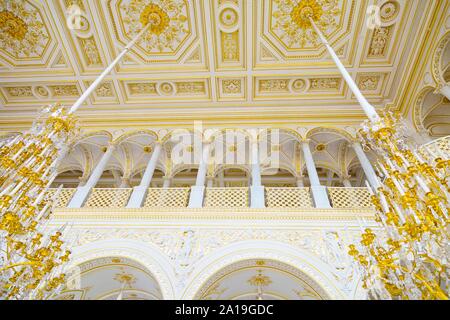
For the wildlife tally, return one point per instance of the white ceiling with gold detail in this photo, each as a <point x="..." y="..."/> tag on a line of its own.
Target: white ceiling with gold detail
<point x="222" y="61"/>
<point x="110" y="278"/>
<point x="260" y="280"/>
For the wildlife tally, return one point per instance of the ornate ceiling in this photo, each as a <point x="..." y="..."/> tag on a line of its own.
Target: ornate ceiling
<point x="223" y="61"/>
<point x="108" y="278"/>
<point x="260" y="280"/>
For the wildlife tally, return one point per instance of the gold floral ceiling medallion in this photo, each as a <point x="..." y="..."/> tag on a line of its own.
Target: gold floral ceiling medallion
<point x="304" y="10"/>
<point x="290" y="21"/>
<point x="169" y="23"/>
<point x="12" y="25"/>
<point x="156" y="17"/>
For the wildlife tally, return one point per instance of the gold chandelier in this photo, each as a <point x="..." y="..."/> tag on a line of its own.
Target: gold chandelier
<point x="31" y="259"/>
<point x="409" y="259"/>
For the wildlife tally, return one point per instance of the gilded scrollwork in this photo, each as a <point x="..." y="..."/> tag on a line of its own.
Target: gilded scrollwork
<point x="23" y="34"/>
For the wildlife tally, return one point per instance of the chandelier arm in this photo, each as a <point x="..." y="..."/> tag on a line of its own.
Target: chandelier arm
<point x="18" y="265"/>
<point x="367" y="107"/>
<point x="100" y="78"/>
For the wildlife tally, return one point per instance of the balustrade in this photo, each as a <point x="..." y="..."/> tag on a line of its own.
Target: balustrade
<point x="350" y="197"/>
<point x="167" y="197"/>
<point x="109" y="198"/>
<point x="287" y="197"/>
<point x="226" y="198"/>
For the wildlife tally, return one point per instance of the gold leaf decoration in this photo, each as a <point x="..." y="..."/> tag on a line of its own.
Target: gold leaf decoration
<point x="168" y="19"/>
<point x="290" y="20"/>
<point x="22" y="30"/>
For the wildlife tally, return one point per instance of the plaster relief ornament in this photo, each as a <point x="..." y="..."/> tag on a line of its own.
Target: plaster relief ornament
<point x="168" y="20"/>
<point x="22" y="30"/>
<point x="290" y="21"/>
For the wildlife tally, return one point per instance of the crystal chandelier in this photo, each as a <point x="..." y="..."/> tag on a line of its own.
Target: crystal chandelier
<point x="408" y="259"/>
<point x="31" y="260"/>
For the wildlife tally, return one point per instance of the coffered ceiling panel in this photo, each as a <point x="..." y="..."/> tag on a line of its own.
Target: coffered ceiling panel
<point x="217" y="60"/>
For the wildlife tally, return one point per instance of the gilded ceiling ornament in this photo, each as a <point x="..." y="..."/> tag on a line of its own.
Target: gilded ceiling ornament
<point x="14" y="26"/>
<point x="229" y="17"/>
<point x="321" y="147"/>
<point x="22" y="30"/>
<point x="156" y="17"/>
<point x="259" y="280"/>
<point x="125" y="278"/>
<point x="389" y="11"/>
<point x="290" y="20"/>
<point x="304" y="10"/>
<point x="168" y="20"/>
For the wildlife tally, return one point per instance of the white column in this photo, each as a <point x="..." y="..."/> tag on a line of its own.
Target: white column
<point x="300" y="182"/>
<point x="366" y="165"/>
<point x="139" y="192"/>
<point x="210" y="182"/>
<point x="319" y="192"/>
<point x="256" y="189"/>
<point x="445" y="90"/>
<point x="221" y="179"/>
<point x="166" y="182"/>
<point x="125" y="183"/>
<point x="346" y="182"/>
<point x="82" y="193"/>
<point x="197" y="191"/>
<point x="367" y="107"/>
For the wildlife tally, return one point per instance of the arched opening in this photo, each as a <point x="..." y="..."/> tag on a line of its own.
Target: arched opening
<point x="260" y="279"/>
<point x="278" y="178"/>
<point x="231" y="177"/>
<point x="68" y="178"/>
<point x="184" y="178"/>
<point x="110" y="278"/>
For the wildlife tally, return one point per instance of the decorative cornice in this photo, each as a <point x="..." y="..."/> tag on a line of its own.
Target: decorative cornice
<point x="170" y="214"/>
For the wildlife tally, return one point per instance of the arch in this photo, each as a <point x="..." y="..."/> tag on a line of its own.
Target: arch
<point x="436" y="65"/>
<point x="290" y="132"/>
<point x="86" y="136"/>
<point x="182" y="167"/>
<point x="222" y="167"/>
<point x="169" y="135"/>
<point x="314" y="269"/>
<point x="145" y="254"/>
<point x="417" y="109"/>
<point x="135" y="133"/>
<point x="324" y="129"/>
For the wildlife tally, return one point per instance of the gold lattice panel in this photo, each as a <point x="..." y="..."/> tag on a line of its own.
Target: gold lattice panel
<point x="226" y="198"/>
<point x="64" y="196"/>
<point x="288" y="198"/>
<point x="350" y="198"/>
<point x="167" y="197"/>
<point x="108" y="198"/>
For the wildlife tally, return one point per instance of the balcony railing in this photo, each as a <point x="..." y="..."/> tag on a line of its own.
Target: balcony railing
<point x="301" y="198"/>
<point x="226" y="198"/>
<point x="167" y="198"/>
<point x="288" y="198"/>
<point x="108" y="198"/>
<point x="350" y="198"/>
<point x="64" y="198"/>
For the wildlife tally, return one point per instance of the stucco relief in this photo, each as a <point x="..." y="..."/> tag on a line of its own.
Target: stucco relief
<point x="185" y="248"/>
